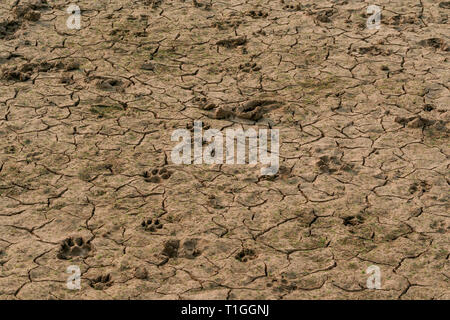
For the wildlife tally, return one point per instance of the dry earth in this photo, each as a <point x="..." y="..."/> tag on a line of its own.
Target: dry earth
<point x="86" y="116"/>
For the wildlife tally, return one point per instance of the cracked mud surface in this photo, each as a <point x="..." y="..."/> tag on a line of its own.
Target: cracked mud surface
<point x="85" y="172"/>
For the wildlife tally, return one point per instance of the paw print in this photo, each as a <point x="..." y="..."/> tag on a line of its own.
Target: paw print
<point x="291" y="7"/>
<point x="248" y="67"/>
<point x="151" y="225"/>
<point x="170" y="249"/>
<point x="281" y="285"/>
<point x="74" y="247"/>
<point x="421" y="187"/>
<point x="255" y="14"/>
<point x="245" y="255"/>
<point x="156" y="175"/>
<point x="10" y="150"/>
<point x="190" y="126"/>
<point x="101" y="282"/>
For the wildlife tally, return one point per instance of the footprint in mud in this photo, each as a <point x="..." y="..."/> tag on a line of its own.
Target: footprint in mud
<point x="141" y="273"/>
<point x="414" y="122"/>
<point x="8" y="28"/>
<point x="190" y="250"/>
<point x="226" y="24"/>
<point x="10" y="149"/>
<point x="153" y="3"/>
<point x="436" y="43"/>
<point x="110" y="85"/>
<point x="74" y="247"/>
<point x="281" y="285"/>
<point x="255" y="14"/>
<point x="232" y="42"/>
<point x="151" y="225"/>
<point x="205" y="6"/>
<point x="245" y="255"/>
<point x="283" y="173"/>
<point x="353" y="220"/>
<point x="420" y="187"/>
<point x="249" y="67"/>
<point x="190" y="126"/>
<point x="255" y="109"/>
<point x="170" y="249"/>
<point x="25" y="71"/>
<point x="101" y="282"/>
<point x="13" y="74"/>
<point x="223" y="113"/>
<point x="26" y="12"/>
<point x="332" y="164"/>
<point x="156" y="175"/>
<point x="324" y="16"/>
<point x="292" y="7"/>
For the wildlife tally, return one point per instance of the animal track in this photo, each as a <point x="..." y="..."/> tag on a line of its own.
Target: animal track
<point x="232" y="42"/>
<point x="170" y="249"/>
<point x="248" y="67"/>
<point x="332" y="164"/>
<point x="420" y="187"/>
<point x="255" y="14"/>
<point x="436" y="43"/>
<point x="353" y="220"/>
<point x="151" y="225"/>
<point x="281" y="286"/>
<point x="111" y="85"/>
<point x="190" y="249"/>
<point x="156" y="175"/>
<point x="255" y="109"/>
<point x="101" y="282"/>
<point x="245" y="255"/>
<point x="74" y="247"/>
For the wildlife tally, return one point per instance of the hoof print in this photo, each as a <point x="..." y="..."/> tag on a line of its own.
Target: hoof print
<point x="74" y="247"/>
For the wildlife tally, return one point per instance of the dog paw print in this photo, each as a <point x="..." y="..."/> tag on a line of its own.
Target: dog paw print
<point x="245" y="255"/>
<point x="156" y="175"/>
<point x="111" y="85"/>
<point x="10" y="150"/>
<point x="255" y="14"/>
<point x="353" y="220"/>
<point x="190" y="126"/>
<point x="281" y="285"/>
<point x="328" y="164"/>
<point x="255" y="109"/>
<point x="292" y="7"/>
<point x="101" y="282"/>
<point x="420" y="187"/>
<point x="74" y="247"/>
<point x="151" y="225"/>
<point x="249" y="67"/>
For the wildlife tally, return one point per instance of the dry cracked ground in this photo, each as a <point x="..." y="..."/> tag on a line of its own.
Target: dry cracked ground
<point x="86" y="177"/>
